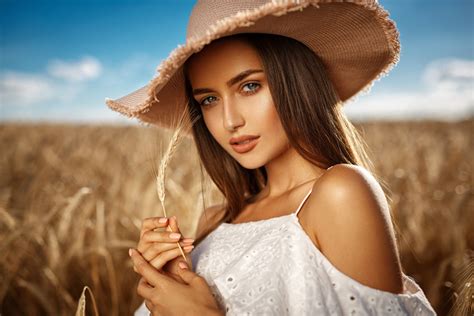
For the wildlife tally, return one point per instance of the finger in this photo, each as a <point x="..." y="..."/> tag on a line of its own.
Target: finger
<point x="135" y="269"/>
<point x="169" y="255"/>
<point x="173" y="221"/>
<point x="160" y="237"/>
<point x="151" y="236"/>
<point x="191" y="277"/>
<point x="156" y="249"/>
<point x="173" y="267"/>
<point x="144" y="289"/>
<point x="143" y="245"/>
<point x="151" y="223"/>
<point x="177" y="278"/>
<point x="154" y="277"/>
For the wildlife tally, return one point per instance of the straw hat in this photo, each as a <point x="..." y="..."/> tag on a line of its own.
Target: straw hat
<point x="356" y="40"/>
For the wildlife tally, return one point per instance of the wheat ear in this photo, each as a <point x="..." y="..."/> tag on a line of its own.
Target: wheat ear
<point x="183" y="125"/>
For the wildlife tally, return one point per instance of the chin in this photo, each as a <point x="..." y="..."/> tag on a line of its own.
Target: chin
<point x="249" y="161"/>
<point x="250" y="165"/>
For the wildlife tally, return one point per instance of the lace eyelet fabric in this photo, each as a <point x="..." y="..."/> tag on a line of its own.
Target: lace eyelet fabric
<point x="272" y="267"/>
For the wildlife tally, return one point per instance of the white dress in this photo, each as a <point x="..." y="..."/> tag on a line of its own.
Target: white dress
<point x="272" y="267"/>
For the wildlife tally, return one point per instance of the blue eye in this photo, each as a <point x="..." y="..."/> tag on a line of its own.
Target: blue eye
<point x="252" y="83"/>
<point x="202" y="102"/>
<point x="251" y="91"/>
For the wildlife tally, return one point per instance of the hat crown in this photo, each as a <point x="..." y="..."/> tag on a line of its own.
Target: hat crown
<point x="355" y="39"/>
<point x="207" y="12"/>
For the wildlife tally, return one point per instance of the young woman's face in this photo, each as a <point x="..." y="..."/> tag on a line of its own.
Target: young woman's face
<point x="230" y="85"/>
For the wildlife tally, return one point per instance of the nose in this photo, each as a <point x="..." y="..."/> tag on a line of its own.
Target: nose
<point x="232" y="117"/>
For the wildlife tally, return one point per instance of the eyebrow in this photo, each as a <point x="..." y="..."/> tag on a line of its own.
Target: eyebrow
<point x="241" y="76"/>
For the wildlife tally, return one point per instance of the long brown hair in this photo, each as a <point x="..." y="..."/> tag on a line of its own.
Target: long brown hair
<point x="310" y="111"/>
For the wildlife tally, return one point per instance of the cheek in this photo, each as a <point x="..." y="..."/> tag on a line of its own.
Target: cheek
<point x="276" y="136"/>
<point x="214" y="126"/>
<point x="267" y="116"/>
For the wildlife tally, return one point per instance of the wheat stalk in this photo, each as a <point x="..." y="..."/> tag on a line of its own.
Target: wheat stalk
<point x="182" y="125"/>
<point x="81" y="306"/>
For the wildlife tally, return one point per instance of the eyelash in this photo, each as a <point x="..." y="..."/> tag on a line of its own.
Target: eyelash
<point x="246" y="92"/>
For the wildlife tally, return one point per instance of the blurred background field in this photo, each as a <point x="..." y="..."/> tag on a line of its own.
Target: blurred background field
<point x="72" y="198"/>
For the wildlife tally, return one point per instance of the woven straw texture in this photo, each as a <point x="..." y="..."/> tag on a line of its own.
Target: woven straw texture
<point x="356" y="40"/>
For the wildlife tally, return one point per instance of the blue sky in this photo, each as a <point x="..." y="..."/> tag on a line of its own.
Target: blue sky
<point x="59" y="60"/>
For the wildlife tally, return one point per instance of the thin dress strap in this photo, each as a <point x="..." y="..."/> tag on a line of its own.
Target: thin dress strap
<point x="302" y="202"/>
<point x="307" y="195"/>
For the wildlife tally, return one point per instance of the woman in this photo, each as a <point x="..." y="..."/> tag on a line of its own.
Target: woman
<point x="306" y="227"/>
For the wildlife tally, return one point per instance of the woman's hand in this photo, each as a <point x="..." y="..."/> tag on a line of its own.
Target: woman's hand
<point x="160" y="249"/>
<point x="165" y="296"/>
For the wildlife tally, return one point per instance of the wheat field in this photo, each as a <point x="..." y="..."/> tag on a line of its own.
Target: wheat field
<point x="72" y="198"/>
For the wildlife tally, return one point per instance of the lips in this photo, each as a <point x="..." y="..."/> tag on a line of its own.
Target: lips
<point x="244" y="143"/>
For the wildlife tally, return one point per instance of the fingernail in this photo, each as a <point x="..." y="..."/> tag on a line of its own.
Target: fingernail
<point x="188" y="247"/>
<point x="163" y="220"/>
<point x="173" y="217"/>
<point x="130" y="252"/>
<point x="183" y="265"/>
<point x="188" y="240"/>
<point x="175" y="235"/>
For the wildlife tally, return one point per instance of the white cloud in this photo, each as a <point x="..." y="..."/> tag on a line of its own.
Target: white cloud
<point x="29" y="89"/>
<point x="23" y="89"/>
<point x="448" y="95"/>
<point x="48" y="96"/>
<point x="85" y="69"/>
<point x="449" y="70"/>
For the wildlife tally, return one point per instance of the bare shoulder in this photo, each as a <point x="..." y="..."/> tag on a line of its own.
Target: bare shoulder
<point x="208" y="218"/>
<point x="350" y="190"/>
<point x="350" y="217"/>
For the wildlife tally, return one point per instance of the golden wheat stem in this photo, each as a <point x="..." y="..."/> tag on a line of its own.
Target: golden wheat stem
<point x="160" y="179"/>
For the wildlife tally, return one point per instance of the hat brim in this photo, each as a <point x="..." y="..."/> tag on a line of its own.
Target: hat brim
<point x="356" y="41"/>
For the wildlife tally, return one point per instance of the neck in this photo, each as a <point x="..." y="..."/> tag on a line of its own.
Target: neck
<point x="288" y="171"/>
